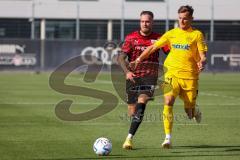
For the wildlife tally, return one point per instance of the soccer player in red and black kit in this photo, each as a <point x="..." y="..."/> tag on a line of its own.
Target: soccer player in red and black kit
<point x="140" y="81"/>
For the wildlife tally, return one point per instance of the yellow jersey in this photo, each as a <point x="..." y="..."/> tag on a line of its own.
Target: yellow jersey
<point x="184" y="53"/>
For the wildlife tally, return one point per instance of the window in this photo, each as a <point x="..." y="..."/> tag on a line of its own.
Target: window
<point x="93" y="29"/>
<point x="226" y="30"/>
<point x="60" y="29"/>
<point x="2" y="32"/>
<point x="15" y="28"/>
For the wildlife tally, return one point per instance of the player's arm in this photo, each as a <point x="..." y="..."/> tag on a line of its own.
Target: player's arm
<point x="148" y="51"/>
<point x="202" y="50"/>
<point x="151" y="49"/>
<point x="166" y="49"/>
<point x="127" y="48"/>
<point x="203" y="61"/>
<point x="123" y="63"/>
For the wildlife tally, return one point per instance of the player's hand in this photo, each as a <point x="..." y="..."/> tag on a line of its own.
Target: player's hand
<point x="130" y="76"/>
<point x="201" y="65"/>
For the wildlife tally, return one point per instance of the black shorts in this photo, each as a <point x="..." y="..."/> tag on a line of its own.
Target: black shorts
<point x="142" y="85"/>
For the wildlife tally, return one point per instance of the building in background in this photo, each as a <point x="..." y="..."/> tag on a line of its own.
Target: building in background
<point x="43" y="34"/>
<point x="106" y="19"/>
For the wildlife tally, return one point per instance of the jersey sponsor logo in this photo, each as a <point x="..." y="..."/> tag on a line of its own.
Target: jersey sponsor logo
<point x="181" y="46"/>
<point x="141" y="48"/>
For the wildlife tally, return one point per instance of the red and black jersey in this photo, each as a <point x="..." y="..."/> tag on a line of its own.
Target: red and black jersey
<point x="134" y="45"/>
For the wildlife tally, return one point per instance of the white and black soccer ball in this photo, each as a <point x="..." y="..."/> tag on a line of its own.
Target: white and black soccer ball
<point x="102" y="146"/>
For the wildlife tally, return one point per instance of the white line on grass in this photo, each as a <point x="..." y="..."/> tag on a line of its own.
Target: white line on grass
<point x="92" y="103"/>
<point x="218" y="95"/>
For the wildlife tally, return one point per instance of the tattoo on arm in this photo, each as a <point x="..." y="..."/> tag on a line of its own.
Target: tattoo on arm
<point x="122" y="62"/>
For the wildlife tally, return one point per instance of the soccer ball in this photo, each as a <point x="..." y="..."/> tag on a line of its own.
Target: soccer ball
<point x="102" y="146"/>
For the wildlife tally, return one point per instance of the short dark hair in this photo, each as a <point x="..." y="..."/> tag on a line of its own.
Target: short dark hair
<point x="186" y="8"/>
<point x="148" y="13"/>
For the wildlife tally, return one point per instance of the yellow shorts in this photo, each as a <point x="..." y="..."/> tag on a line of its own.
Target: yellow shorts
<point x="187" y="89"/>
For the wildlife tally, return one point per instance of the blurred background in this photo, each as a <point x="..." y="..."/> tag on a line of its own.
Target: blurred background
<point x="42" y="34"/>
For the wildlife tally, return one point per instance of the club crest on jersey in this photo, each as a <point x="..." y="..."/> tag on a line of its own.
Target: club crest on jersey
<point x="181" y="46"/>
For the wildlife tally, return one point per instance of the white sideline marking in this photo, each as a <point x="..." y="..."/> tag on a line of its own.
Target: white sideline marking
<point x="121" y="103"/>
<point x="217" y="95"/>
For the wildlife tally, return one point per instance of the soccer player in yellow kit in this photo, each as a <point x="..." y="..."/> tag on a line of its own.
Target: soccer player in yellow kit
<point x="185" y="61"/>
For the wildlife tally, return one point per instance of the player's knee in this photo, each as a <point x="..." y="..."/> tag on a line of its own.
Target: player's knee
<point x="169" y="100"/>
<point x="131" y="112"/>
<point x="131" y="109"/>
<point x="143" y="98"/>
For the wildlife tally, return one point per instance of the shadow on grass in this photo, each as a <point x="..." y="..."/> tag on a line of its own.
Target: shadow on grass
<point x="206" y="149"/>
<point x="206" y="146"/>
<point x="226" y="151"/>
<point x="145" y="157"/>
<point x="228" y="148"/>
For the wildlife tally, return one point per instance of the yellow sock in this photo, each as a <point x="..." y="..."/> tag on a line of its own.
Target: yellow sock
<point x="168" y="119"/>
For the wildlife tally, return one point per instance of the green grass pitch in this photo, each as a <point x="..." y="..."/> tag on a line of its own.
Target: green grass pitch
<point x="29" y="128"/>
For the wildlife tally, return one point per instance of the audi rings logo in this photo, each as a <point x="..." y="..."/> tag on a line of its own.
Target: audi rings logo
<point x="104" y="56"/>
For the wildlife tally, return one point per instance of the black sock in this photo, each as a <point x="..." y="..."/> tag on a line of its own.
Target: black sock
<point x="137" y="118"/>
